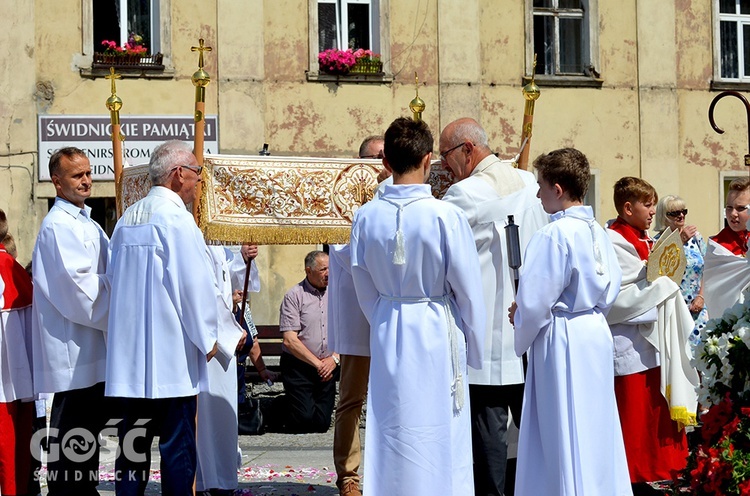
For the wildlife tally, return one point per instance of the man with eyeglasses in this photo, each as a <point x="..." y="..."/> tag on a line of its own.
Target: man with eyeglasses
<point x="488" y="190"/>
<point x="163" y="323"/>
<point x="726" y="273"/>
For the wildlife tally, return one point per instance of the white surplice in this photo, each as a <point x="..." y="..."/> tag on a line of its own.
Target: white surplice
<point x="348" y="330"/>
<point x="15" y="332"/>
<point x="217" y="407"/>
<point x="163" y="311"/>
<point x="725" y="277"/>
<point x="493" y="191"/>
<point x="651" y="326"/>
<point x="71" y="300"/>
<point x="570" y="440"/>
<point x="417" y="442"/>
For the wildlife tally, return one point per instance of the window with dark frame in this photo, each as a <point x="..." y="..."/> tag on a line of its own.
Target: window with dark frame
<point x="734" y="39"/>
<point x="560" y="40"/>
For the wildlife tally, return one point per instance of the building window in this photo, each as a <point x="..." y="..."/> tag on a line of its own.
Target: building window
<point x="120" y="20"/>
<point x="564" y="34"/>
<point x="734" y="40"/>
<point x="116" y="20"/>
<point x="346" y="24"/>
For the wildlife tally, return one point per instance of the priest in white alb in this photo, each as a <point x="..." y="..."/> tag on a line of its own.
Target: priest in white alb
<point x="415" y="271"/>
<point x="163" y="324"/>
<point x="488" y="190"/>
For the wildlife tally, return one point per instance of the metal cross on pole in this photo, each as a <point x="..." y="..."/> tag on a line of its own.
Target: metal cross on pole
<point x="721" y="131"/>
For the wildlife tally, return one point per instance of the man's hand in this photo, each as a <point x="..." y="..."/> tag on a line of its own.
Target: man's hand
<point x="242" y="340"/>
<point x="237" y="296"/>
<point x="268" y="375"/>
<point x="213" y="351"/>
<point x="326" y="368"/>
<point x="512" y="312"/>
<point x="249" y="252"/>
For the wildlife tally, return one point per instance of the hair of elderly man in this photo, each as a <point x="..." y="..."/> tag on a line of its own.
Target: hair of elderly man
<point x="667" y="203"/>
<point x="165" y="157"/>
<point x="311" y="259"/>
<point x="363" y="148"/>
<point x="68" y="152"/>
<point x="470" y="130"/>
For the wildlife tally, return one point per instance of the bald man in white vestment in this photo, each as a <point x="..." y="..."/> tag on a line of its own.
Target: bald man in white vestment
<point x="163" y="325"/>
<point x="488" y="190"/>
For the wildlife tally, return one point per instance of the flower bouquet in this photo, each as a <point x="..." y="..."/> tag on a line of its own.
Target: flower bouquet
<point x="720" y="463"/>
<point x="341" y="62"/>
<point x="132" y="53"/>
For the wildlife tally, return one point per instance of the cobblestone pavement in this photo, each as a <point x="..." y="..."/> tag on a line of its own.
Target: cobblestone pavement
<point x="272" y="464"/>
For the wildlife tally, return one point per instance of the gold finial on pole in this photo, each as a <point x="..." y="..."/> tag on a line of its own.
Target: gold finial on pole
<point x="531" y="94"/>
<point x="417" y="105"/>
<point x="200" y="81"/>
<point x="114" y="104"/>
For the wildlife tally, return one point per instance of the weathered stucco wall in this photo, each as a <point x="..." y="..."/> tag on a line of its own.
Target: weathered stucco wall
<point x="648" y="119"/>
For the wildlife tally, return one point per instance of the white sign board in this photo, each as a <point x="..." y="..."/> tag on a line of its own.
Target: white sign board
<point x="92" y="134"/>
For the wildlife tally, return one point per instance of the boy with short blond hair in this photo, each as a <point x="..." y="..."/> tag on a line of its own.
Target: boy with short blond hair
<point x="645" y="316"/>
<point x="570" y="439"/>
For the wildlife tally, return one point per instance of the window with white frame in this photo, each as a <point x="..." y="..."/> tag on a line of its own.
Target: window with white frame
<point x="734" y="40"/>
<point x="124" y="20"/>
<point x="346" y="24"/>
<point x="564" y="34"/>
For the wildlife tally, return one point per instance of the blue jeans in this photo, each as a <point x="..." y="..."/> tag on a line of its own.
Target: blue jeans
<point x="173" y="420"/>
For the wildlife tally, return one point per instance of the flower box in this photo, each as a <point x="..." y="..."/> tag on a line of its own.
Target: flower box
<point x="367" y="66"/>
<point x="128" y="61"/>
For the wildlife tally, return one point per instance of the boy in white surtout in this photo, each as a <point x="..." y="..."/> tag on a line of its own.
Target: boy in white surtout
<point x="416" y="272"/>
<point x="570" y="438"/>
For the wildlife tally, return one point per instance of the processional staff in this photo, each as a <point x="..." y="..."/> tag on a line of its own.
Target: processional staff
<point x="721" y="131"/>
<point x="114" y="104"/>
<point x="531" y="94"/>
<point x="200" y="81"/>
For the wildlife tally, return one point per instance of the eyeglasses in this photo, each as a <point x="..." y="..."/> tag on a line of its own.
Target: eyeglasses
<point x="195" y="168"/>
<point x="444" y="155"/>
<point x="379" y="156"/>
<point x="677" y="213"/>
<point x="739" y="210"/>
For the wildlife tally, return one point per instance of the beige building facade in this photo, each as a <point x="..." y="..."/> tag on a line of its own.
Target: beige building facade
<point x="627" y="82"/>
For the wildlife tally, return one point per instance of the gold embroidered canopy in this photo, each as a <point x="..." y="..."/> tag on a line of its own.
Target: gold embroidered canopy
<point x="279" y="200"/>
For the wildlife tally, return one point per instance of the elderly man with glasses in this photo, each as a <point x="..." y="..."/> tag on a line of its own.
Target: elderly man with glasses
<point x="163" y="322"/>
<point x="488" y="190"/>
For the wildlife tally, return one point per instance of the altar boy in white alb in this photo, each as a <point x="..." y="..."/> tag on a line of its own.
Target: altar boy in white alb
<point x="570" y="441"/>
<point x="415" y="271"/>
<point x="162" y="324"/>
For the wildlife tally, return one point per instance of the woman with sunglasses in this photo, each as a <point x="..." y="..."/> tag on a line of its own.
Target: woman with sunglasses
<point x="672" y="212"/>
